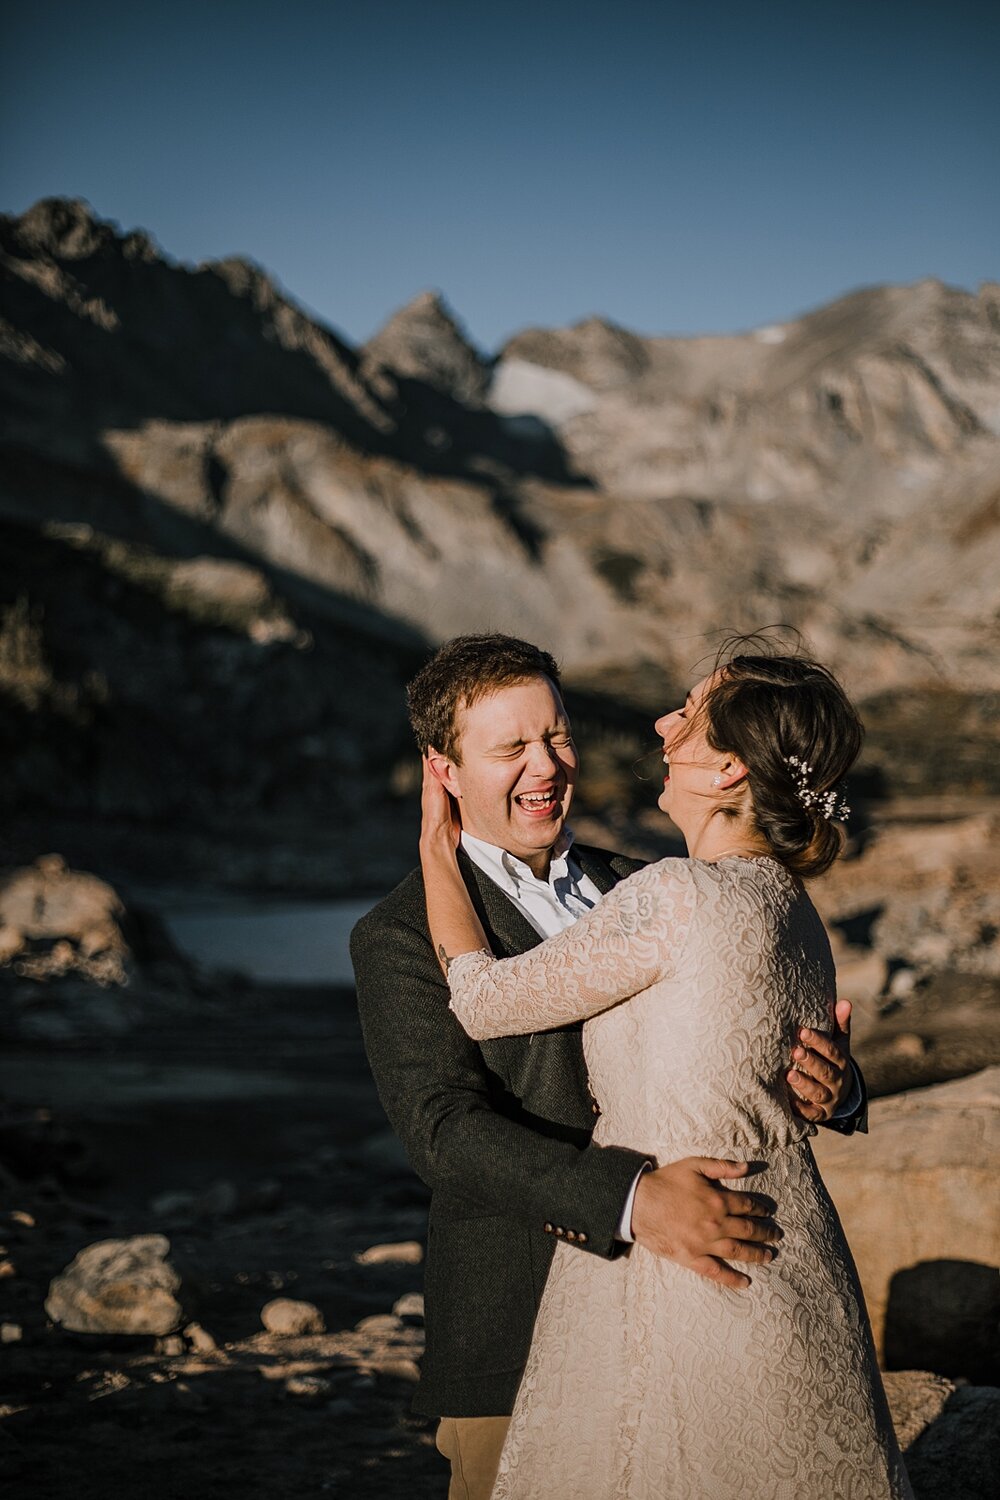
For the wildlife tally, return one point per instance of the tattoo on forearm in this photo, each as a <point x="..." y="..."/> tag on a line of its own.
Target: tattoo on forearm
<point x="445" y="960"/>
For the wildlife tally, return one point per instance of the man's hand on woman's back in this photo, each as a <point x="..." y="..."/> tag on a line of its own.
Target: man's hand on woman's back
<point x="682" y="1212"/>
<point x="821" y="1076"/>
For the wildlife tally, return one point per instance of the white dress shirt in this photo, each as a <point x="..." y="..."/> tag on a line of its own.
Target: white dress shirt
<point x="552" y="905"/>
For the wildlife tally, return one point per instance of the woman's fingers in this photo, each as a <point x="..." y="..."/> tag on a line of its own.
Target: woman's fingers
<point x="438" y="810"/>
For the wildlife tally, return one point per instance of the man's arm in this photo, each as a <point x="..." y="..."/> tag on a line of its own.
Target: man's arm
<point x="434" y="1086"/>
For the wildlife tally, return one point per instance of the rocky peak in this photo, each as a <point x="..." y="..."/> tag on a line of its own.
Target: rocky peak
<point x="67" y="229"/>
<point x="424" y="341"/>
<point x="174" y="342"/>
<point x="595" y="351"/>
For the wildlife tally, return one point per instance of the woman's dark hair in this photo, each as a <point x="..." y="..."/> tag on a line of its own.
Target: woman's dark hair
<point x="459" y="674"/>
<point x="767" y="709"/>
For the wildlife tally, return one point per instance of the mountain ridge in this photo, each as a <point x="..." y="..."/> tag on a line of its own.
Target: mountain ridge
<point x="623" y="500"/>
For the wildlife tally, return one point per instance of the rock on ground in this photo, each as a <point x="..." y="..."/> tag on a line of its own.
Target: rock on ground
<point x="285" y="1315"/>
<point x="921" y="896"/>
<point x="54" y="920"/>
<point x="958" y="1456"/>
<point x="410" y="1305"/>
<point x="917" y="1197"/>
<point x="118" y="1287"/>
<point x="406" y="1252"/>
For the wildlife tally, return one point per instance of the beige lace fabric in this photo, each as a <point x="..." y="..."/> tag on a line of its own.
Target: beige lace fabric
<point x="644" y="1380"/>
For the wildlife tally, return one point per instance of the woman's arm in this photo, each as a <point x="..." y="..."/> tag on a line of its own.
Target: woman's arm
<point x="454" y="926"/>
<point x="627" y="943"/>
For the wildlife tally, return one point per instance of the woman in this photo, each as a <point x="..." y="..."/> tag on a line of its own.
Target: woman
<point x="645" y="1380"/>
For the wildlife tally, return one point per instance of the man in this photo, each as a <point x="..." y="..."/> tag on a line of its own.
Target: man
<point x="500" y="1131"/>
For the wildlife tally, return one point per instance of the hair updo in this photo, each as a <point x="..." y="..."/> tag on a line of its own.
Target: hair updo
<point x="766" y="709"/>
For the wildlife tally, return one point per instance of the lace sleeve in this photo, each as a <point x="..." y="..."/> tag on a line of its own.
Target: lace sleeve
<point x="628" y="942"/>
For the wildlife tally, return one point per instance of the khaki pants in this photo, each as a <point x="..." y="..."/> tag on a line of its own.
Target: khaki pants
<point x="472" y="1447"/>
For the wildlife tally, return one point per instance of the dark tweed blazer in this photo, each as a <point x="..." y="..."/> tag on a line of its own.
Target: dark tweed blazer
<point x="499" y="1131"/>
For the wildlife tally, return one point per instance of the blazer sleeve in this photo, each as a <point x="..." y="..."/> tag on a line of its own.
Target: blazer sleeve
<point x="434" y="1085"/>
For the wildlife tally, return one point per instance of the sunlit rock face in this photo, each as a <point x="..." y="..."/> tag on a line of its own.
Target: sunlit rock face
<point x="622" y="499"/>
<point x="930" y="1283"/>
<point x="859" y="402"/>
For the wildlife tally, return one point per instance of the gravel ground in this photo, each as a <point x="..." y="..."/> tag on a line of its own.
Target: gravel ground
<point x="246" y="1129"/>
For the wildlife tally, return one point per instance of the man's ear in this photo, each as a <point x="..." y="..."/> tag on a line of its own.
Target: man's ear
<point x="445" y="771"/>
<point x="733" y="772"/>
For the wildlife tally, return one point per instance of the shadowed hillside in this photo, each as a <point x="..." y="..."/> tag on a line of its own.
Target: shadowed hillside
<point x="229" y="536"/>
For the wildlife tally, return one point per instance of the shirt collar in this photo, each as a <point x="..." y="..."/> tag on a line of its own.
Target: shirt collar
<point x="509" y="871"/>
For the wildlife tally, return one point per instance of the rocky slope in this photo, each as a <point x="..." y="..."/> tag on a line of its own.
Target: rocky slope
<point x="211" y="1261"/>
<point x="228" y="535"/>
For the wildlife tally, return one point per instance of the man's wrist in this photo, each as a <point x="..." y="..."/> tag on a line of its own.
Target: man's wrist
<point x="852" y="1103"/>
<point x="624" y="1231"/>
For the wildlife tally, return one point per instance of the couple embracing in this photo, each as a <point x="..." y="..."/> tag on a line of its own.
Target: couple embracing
<point x="607" y="1073"/>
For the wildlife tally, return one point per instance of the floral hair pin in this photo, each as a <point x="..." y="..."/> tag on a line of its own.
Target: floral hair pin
<point x="829" y="804"/>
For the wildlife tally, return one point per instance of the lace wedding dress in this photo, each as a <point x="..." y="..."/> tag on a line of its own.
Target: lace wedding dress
<point x="646" y="1382"/>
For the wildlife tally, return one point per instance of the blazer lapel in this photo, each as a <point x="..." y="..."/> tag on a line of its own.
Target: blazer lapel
<point x="499" y="915"/>
<point x="595" y="867"/>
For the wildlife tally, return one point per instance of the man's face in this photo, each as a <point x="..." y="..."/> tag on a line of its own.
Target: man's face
<point x="518" y="769"/>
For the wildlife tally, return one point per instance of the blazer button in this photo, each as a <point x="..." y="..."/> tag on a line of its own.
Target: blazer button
<point x="560" y="1231"/>
<point x="582" y="1238"/>
<point x="571" y="1234"/>
<point x="595" y="1108"/>
<point x="548" y="1229"/>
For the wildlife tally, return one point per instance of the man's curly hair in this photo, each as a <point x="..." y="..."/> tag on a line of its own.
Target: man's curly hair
<point x="461" y="672"/>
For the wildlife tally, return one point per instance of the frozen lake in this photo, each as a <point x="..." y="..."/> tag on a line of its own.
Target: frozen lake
<point x="301" y="942"/>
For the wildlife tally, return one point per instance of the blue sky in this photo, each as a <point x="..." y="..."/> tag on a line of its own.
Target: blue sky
<point x="677" y="168"/>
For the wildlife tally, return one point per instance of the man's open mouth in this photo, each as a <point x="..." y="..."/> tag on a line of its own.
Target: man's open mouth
<point x="538" y="804"/>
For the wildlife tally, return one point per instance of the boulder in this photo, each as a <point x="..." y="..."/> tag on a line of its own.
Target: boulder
<point x="200" y="1340"/>
<point x="950" y="1436"/>
<point x="380" y="1323"/>
<point x="55" y="921"/>
<point x="118" y="1287"/>
<point x="403" y="1253"/>
<point x="285" y="1315"/>
<point x="11" y="942"/>
<point x="917" y="1197"/>
<point x="410" y="1305"/>
<point x="397" y="1369"/>
<point x="309" y="1388"/>
<point x="921" y="896"/>
<point x="47" y="900"/>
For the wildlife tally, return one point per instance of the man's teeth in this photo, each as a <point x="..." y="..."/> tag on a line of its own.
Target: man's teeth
<point x="535" y="799"/>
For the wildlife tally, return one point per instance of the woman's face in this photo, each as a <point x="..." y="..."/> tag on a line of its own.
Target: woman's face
<point x="690" y="760"/>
